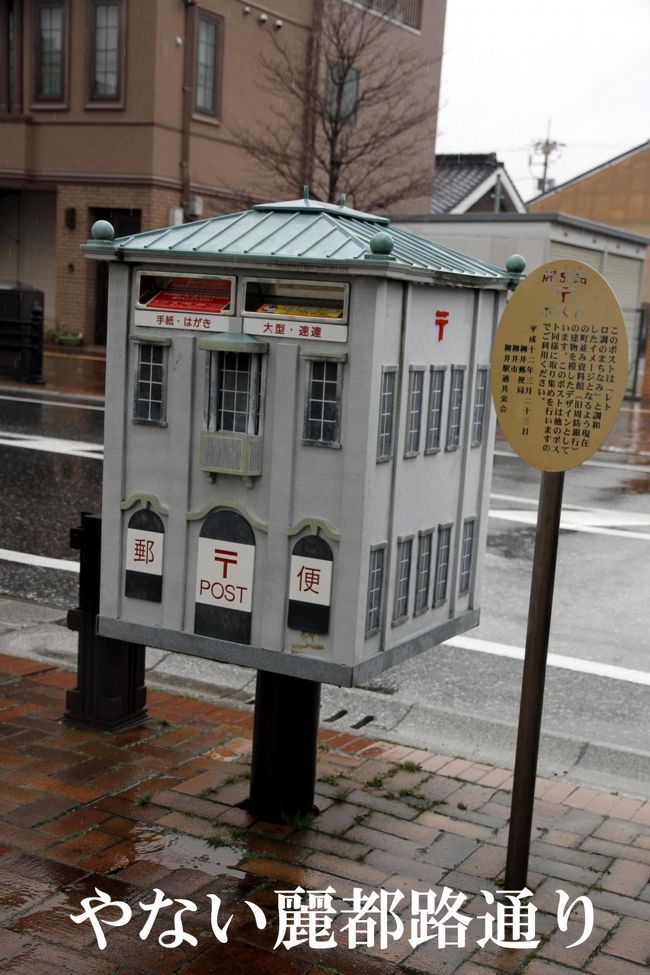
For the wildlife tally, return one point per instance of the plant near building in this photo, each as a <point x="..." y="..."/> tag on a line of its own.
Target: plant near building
<point x="63" y="334"/>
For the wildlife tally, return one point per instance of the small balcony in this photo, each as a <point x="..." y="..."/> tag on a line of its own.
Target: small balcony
<point x="231" y="453"/>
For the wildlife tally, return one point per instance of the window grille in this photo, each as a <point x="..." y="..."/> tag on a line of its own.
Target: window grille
<point x="480" y="404"/>
<point x="149" y="399"/>
<point x="434" y="419"/>
<point x="467" y="550"/>
<point x="105" y="79"/>
<point x="425" y="547"/>
<point x="414" y="416"/>
<point x="50" y="52"/>
<point x="442" y="564"/>
<point x="323" y="402"/>
<point x="408" y="12"/>
<point x="207" y="57"/>
<point x="386" y="415"/>
<point x="404" y="551"/>
<point x="455" y="408"/>
<point x="233" y="392"/>
<point x="375" y="590"/>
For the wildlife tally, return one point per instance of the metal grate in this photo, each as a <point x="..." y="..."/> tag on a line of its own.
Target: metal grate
<point x="407" y="12"/>
<point x="231" y="454"/>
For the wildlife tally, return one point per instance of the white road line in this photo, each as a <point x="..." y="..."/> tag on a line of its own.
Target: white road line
<point x="52" y="445"/>
<point x="41" y="561"/>
<point x="576" y="516"/>
<point x="52" y="402"/>
<point x="566" y="522"/>
<point x="631" y="468"/>
<point x="577" y="664"/>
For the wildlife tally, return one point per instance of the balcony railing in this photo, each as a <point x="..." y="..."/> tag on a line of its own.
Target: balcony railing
<point x="231" y="453"/>
<point x="407" y="12"/>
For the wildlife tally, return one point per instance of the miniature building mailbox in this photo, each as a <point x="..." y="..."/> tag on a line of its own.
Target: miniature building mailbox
<point x="298" y="439"/>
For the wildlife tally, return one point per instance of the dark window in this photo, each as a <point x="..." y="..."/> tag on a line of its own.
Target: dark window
<point x="425" y="548"/>
<point x="434" y="419"/>
<point x="233" y="401"/>
<point x="208" y="43"/>
<point x="50" y="51"/>
<point x="342" y="91"/>
<point x="323" y="402"/>
<point x="455" y="408"/>
<point x="9" y="48"/>
<point x="11" y="58"/>
<point x="375" y="590"/>
<point x="414" y="415"/>
<point x="467" y="550"/>
<point x="480" y="404"/>
<point x="386" y="415"/>
<point x="442" y="565"/>
<point x="150" y="383"/>
<point x="106" y="48"/>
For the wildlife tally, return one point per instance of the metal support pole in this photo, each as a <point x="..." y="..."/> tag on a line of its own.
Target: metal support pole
<point x="110" y="692"/>
<point x="285" y="743"/>
<point x="532" y="688"/>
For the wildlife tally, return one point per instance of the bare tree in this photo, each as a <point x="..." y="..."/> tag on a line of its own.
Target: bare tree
<point x="355" y="116"/>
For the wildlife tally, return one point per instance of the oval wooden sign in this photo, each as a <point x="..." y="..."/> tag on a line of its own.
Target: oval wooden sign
<point x="559" y="365"/>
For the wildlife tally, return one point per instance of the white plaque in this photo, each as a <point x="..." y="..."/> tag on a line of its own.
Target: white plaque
<point x="224" y="574"/>
<point x="144" y="551"/>
<point x="288" y="329"/>
<point x="311" y="580"/>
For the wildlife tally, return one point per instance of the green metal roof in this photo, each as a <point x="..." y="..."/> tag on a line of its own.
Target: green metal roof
<point x="302" y="231"/>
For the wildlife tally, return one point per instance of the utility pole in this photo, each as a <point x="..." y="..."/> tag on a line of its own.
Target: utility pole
<point x="545" y="148"/>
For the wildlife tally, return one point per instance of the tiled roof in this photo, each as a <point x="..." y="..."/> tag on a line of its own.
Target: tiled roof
<point x="303" y="232"/>
<point x="457" y="175"/>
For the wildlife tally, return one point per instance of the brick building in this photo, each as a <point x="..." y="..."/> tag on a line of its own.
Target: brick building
<point x="126" y="111"/>
<point x="616" y="193"/>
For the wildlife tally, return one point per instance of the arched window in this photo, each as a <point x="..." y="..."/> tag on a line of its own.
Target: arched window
<point x="310" y="585"/>
<point x="145" y="539"/>
<point x="225" y="568"/>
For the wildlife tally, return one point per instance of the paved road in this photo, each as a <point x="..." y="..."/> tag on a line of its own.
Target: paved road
<point x="461" y="698"/>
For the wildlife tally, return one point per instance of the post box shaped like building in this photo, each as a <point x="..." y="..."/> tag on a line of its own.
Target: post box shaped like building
<point x="298" y="439"/>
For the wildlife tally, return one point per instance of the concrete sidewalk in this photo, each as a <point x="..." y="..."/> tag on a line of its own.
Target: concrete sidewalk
<point x="158" y="807"/>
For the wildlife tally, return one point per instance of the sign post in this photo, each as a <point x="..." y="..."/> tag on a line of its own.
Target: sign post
<point x="559" y="367"/>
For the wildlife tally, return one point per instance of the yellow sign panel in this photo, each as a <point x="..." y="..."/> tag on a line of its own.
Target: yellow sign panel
<point x="559" y="365"/>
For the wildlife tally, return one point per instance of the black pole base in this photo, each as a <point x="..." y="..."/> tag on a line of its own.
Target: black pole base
<point x="285" y="746"/>
<point x="110" y="694"/>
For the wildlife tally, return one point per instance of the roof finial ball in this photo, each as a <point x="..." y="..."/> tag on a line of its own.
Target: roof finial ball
<point x="102" y="231"/>
<point x="516" y="264"/>
<point x="382" y="244"/>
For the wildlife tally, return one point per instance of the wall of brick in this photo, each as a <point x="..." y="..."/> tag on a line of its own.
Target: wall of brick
<point x="76" y="275"/>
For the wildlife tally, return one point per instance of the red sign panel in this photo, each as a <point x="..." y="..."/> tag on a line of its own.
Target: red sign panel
<point x="211" y="295"/>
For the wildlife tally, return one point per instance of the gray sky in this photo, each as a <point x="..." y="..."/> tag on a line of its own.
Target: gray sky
<point x="512" y="66"/>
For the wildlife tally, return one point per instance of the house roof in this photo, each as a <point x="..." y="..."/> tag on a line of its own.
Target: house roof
<point x="514" y="222"/>
<point x="461" y="179"/>
<point x="615" y="161"/>
<point x="303" y="232"/>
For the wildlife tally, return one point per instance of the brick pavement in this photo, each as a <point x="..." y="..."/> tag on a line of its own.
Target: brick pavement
<point x="159" y="807"/>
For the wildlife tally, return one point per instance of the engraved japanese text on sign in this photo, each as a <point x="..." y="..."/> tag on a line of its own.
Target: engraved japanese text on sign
<point x="559" y="365"/>
<point x="311" y="580"/>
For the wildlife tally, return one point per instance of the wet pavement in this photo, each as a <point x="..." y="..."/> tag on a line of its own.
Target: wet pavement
<point x="80" y="370"/>
<point x="159" y="807"/>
